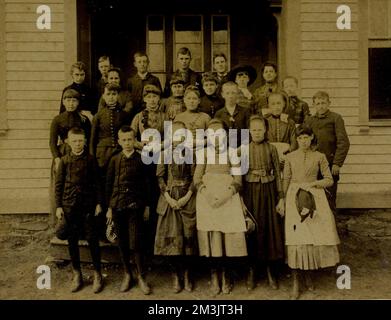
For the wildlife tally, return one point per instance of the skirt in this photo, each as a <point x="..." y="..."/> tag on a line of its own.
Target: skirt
<point x="310" y="257"/>
<point x="176" y="229"/>
<point x="218" y="244"/>
<point x="267" y="242"/>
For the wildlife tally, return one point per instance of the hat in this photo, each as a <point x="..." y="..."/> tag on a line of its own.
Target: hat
<point x="209" y="76"/>
<point x="252" y="73"/>
<point x="176" y="79"/>
<point x="71" y="93"/>
<point x="150" y="88"/>
<point x="305" y="204"/>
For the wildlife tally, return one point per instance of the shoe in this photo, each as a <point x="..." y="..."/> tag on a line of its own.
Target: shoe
<point x="126" y="282"/>
<point x="250" y="279"/>
<point x="214" y="282"/>
<point x="308" y="281"/>
<point x="272" y="280"/>
<point x="143" y="285"/>
<point x="187" y="281"/>
<point x="295" y="286"/>
<point x="77" y="281"/>
<point x="97" y="285"/>
<point x="176" y="285"/>
<point x="226" y="285"/>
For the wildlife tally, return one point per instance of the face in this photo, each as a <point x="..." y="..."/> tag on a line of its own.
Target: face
<point x="216" y="135"/>
<point x="276" y="104"/>
<point x="141" y="64"/>
<point x="269" y="74"/>
<point x="304" y="141"/>
<point x="78" y="76"/>
<point x="220" y="65"/>
<point x="257" y="130"/>
<point x="290" y="87"/>
<point x="242" y="79"/>
<point x="230" y="94"/>
<point x="177" y="89"/>
<point x="70" y="104"/>
<point x="76" y="142"/>
<point x="152" y="101"/>
<point x="110" y="97"/>
<point x="321" y="105"/>
<point x="183" y="61"/>
<point x="104" y="66"/>
<point x="209" y="87"/>
<point x="191" y="101"/>
<point x="126" y="141"/>
<point x="113" y="77"/>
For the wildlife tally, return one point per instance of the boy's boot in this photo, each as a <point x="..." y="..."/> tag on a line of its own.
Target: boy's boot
<point x="176" y="284"/>
<point x="272" y="280"/>
<point x="143" y="285"/>
<point x="97" y="285"/>
<point x="226" y="285"/>
<point x="126" y="282"/>
<point x="77" y="280"/>
<point x="295" y="285"/>
<point x="188" y="281"/>
<point x="214" y="282"/>
<point x="251" y="279"/>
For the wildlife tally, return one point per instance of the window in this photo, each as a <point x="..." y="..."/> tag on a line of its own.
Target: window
<point x="220" y="36"/>
<point x="156" y="45"/>
<point x="379" y="59"/>
<point x="204" y="35"/>
<point x="188" y="32"/>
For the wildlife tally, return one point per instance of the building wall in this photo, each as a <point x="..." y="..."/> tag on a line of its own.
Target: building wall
<point x="34" y="75"/>
<point x="336" y="61"/>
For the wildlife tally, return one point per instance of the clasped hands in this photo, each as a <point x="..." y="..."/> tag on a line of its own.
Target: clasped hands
<point x="177" y="204"/>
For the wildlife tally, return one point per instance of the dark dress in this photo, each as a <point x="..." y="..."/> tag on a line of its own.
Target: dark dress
<point x="176" y="232"/>
<point x="261" y="191"/>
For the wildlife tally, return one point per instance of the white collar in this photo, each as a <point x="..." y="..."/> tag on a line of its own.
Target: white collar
<point x="142" y="75"/>
<point x="127" y="155"/>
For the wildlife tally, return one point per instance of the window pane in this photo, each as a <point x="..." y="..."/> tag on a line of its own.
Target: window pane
<point x="188" y="29"/>
<point x="220" y="48"/>
<point x="156" y="36"/>
<point x="156" y="57"/>
<point x="220" y="36"/>
<point x="379" y="83"/>
<point x="220" y="23"/>
<point x="196" y="54"/>
<point x="155" y="29"/>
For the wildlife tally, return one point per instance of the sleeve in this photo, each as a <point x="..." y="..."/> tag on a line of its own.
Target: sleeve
<point x="160" y="174"/>
<point x="343" y="143"/>
<point x="327" y="180"/>
<point x="97" y="183"/>
<point x="134" y="123"/>
<point x="54" y="138"/>
<point x="147" y="184"/>
<point x="198" y="174"/>
<point x="306" y="110"/>
<point x="94" y="134"/>
<point x="287" y="176"/>
<point x="237" y="179"/>
<point x="101" y="103"/>
<point x="59" y="183"/>
<point x="277" y="171"/>
<point x="109" y="183"/>
<point x="157" y="83"/>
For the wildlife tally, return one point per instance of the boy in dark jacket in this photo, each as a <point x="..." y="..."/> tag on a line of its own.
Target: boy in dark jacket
<point x="78" y="202"/>
<point x="333" y="141"/>
<point x="127" y="198"/>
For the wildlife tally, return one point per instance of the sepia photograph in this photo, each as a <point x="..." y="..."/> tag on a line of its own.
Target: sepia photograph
<point x="206" y="151"/>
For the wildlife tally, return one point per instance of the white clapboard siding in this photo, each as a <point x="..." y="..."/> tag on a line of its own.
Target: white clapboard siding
<point x="34" y="81"/>
<point x="330" y="62"/>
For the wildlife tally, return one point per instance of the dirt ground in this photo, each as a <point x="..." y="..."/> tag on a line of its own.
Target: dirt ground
<point x="369" y="261"/>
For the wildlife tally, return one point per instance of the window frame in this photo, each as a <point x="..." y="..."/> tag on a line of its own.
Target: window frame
<point x="164" y="41"/>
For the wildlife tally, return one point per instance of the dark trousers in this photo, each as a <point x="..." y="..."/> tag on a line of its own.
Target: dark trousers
<point x="331" y="193"/>
<point x="81" y="224"/>
<point x="128" y="223"/>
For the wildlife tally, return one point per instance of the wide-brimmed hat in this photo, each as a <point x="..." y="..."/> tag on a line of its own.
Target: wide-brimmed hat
<point x="252" y="73"/>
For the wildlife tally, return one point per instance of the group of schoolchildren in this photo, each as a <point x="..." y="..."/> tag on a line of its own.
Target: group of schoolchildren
<point x="279" y="211"/>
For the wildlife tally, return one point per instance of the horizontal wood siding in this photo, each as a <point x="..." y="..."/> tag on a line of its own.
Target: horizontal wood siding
<point x="34" y="80"/>
<point x="330" y="61"/>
